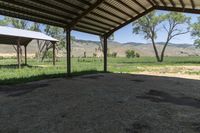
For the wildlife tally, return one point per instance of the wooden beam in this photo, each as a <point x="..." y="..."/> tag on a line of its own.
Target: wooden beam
<point x="155" y="2"/>
<point x="25" y="54"/>
<point x="178" y="9"/>
<point x="35" y="14"/>
<point x="139" y="4"/>
<point x="105" y="18"/>
<point x="182" y="3"/>
<point x="22" y="5"/>
<point x="105" y="51"/>
<point x="193" y="4"/>
<point x="70" y="5"/>
<point x="33" y="18"/>
<point x="163" y="2"/>
<point x="99" y="21"/>
<point x="172" y="3"/>
<point x="94" y="25"/>
<point x="54" y="53"/>
<point x="68" y="49"/>
<point x="110" y="13"/>
<point x="85" y="2"/>
<point x="127" y="6"/>
<point x="152" y="4"/>
<point x="129" y="21"/>
<point x="117" y="9"/>
<point x="85" y="13"/>
<point x="18" y="54"/>
<point x="90" y="28"/>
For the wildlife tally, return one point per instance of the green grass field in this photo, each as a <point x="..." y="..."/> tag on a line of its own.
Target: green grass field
<point x="36" y="70"/>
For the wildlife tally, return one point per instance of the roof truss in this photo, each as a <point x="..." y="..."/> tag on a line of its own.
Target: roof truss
<point x="99" y="17"/>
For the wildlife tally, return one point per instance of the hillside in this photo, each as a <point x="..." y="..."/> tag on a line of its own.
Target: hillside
<point x="80" y="47"/>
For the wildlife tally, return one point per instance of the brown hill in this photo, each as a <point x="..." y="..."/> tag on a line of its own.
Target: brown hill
<point x="80" y="47"/>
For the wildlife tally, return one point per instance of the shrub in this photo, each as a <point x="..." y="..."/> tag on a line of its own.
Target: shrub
<point x="114" y="54"/>
<point x="130" y="54"/>
<point x="94" y="55"/>
<point x="49" y="55"/>
<point x="137" y="55"/>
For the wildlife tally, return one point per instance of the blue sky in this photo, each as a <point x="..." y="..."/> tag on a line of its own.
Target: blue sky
<point x="125" y="34"/>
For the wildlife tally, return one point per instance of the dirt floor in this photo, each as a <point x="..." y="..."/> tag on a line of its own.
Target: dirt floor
<point x="103" y="103"/>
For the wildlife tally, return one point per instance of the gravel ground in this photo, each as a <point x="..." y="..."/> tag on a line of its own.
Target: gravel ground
<point x="103" y="103"/>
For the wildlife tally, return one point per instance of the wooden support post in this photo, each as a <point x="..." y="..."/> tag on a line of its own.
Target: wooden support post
<point x="18" y="54"/>
<point x="25" y="54"/>
<point x="105" y="49"/>
<point x="54" y="54"/>
<point x="68" y="48"/>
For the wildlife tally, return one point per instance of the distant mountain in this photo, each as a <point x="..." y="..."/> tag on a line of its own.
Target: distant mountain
<point x="79" y="47"/>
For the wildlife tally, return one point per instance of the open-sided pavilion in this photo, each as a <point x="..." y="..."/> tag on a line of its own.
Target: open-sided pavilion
<point x="99" y="17"/>
<point x="19" y="37"/>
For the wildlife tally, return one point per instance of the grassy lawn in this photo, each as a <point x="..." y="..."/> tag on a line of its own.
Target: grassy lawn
<point x="42" y="70"/>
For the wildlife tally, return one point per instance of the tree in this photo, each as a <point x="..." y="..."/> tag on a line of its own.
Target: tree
<point x="54" y="32"/>
<point x="37" y="27"/>
<point x="195" y="32"/>
<point x="172" y="23"/>
<point x="17" y="23"/>
<point x="3" y="22"/>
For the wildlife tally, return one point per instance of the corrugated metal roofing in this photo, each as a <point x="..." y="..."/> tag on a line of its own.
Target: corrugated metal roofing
<point x="101" y="17"/>
<point x="19" y="33"/>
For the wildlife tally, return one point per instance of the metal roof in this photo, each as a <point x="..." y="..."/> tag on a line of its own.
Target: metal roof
<point x="100" y="17"/>
<point x="10" y="35"/>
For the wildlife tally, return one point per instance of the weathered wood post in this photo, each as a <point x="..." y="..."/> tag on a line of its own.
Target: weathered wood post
<point x="105" y="50"/>
<point x="25" y="54"/>
<point x="18" y="54"/>
<point x="68" y="49"/>
<point x="54" y="54"/>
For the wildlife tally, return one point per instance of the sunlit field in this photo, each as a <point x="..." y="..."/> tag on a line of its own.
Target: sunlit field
<point x="36" y="70"/>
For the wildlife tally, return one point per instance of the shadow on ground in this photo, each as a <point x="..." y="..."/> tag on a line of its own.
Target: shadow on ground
<point x="102" y="103"/>
<point x="14" y="66"/>
<point x="12" y="81"/>
<point x="164" y="97"/>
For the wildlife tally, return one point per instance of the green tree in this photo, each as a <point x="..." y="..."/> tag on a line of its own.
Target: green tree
<point x="17" y="23"/>
<point x="172" y="22"/>
<point x="3" y="22"/>
<point x="195" y="32"/>
<point x="130" y="54"/>
<point x="55" y="32"/>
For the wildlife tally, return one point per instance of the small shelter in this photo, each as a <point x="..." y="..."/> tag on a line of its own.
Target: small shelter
<point x="19" y="37"/>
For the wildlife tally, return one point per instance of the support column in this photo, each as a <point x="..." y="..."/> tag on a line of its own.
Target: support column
<point x="54" y="54"/>
<point x="18" y="54"/>
<point x="105" y="50"/>
<point x="68" y="48"/>
<point x="25" y="54"/>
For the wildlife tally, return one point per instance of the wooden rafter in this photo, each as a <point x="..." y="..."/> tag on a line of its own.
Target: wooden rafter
<point x="182" y="3"/>
<point x="193" y="4"/>
<point x="163" y="2"/>
<point x="21" y="5"/>
<point x="70" y="5"/>
<point x="172" y="3"/>
<point x="139" y="4"/>
<point x="156" y="2"/>
<point x="110" y="13"/>
<point x="152" y="4"/>
<point x="127" y="6"/>
<point x="178" y="9"/>
<point x="86" y="12"/>
<point x="117" y="9"/>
